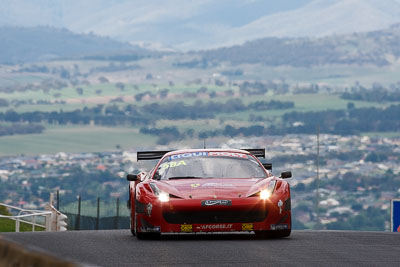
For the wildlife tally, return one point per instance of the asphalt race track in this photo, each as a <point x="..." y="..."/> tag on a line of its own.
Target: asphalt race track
<point x="303" y="248"/>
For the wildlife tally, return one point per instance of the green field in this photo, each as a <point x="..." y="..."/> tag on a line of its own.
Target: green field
<point x="303" y="103"/>
<point x="8" y="225"/>
<point x="332" y="75"/>
<point x="74" y="139"/>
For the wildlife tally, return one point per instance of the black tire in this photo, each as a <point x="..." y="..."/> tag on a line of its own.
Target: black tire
<point x="132" y="227"/>
<point x="272" y="234"/>
<point x="143" y="236"/>
<point x="130" y="223"/>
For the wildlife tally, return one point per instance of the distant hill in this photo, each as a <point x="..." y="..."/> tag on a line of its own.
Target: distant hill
<point x="20" y="44"/>
<point x="199" y="24"/>
<point x="321" y="18"/>
<point x="375" y="48"/>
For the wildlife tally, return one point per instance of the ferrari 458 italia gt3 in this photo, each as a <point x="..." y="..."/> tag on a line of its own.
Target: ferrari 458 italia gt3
<point x="209" y="190"/>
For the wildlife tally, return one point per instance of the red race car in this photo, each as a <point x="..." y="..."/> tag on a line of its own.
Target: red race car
<point x="209" y="190"/>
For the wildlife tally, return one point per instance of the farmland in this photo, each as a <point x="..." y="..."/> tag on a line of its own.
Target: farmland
<point x="67" y="86"/>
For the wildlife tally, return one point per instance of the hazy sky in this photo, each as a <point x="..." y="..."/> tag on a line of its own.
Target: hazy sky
<point x="62" y="12"/>
<point x="194" y="24"/>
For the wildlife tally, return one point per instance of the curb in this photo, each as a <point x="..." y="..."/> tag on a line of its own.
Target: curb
<point x="12" y="254"/>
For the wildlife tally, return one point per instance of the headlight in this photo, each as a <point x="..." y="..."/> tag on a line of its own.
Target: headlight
<point x="267" y="192"/>
<point x="163" y="197"/>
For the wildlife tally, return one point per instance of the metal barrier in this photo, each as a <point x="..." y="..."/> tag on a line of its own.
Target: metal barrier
<point x="24" y="214"/>
<point x="52" y="219"/>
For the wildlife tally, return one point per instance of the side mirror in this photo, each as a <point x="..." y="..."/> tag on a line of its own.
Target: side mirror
<point x="268" y="166"/>
<point x="286" y="174"/>
<point x="132" y="177"/>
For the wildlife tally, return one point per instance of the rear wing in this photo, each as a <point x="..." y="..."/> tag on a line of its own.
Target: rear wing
<point x="258" y="152"/>
<point x="151" y="155"/>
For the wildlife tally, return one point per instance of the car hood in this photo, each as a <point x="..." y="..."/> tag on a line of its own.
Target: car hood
<point x="213" y="188"/>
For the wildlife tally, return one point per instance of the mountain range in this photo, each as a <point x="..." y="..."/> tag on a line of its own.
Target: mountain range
<point x="198" y="24"/>
<point x="20" y="45"/>
<point x="40" y="43"/>
<point x="379" y="48"/>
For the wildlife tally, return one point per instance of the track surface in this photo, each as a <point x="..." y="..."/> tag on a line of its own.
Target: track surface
<point x="303" y="248"/>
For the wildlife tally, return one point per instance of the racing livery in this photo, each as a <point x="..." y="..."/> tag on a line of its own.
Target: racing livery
<point x="209" y="190"/>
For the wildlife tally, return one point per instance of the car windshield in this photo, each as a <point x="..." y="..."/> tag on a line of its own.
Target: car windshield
<point x="209" y="165"/>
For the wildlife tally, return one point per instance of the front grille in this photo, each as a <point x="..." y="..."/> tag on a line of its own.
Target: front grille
<point x="225" y="216"/>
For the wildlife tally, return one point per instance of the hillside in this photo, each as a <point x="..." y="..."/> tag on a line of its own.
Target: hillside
<point x="20" y="44"/>
<point x="375" y="48"/>
<point x="321" y="18"/>
<point x="198" y="24"/>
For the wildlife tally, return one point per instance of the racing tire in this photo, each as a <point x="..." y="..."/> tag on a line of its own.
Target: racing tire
<point x="131" y="219"/>
<point x="272" y="234"/>
<point x="131" y="225"/>
<point x="143" y="236"/>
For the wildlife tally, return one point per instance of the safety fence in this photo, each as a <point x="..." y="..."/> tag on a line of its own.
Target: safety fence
<point x="94" y="214"/>
<point x="82" y="222"/>
<point x="35" y="218"/>
<point x="50" y="219"/>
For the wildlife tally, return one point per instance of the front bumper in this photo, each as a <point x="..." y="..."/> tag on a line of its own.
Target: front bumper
<point x="189" y="216"/>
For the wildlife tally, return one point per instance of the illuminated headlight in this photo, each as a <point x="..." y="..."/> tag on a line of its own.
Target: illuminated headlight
<point x="163" y="197"/>
<point x="267" y="192"/>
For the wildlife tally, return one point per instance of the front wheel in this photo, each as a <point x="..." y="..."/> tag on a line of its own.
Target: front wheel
<point x="141" y="235"/>
<point x="132" y="225"/>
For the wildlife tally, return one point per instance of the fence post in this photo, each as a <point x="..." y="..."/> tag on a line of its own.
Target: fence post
<point x="98" y="214"/>
<point x="49" y="222"/>
<point x="58" y="200"/>
<point x="51" y="200"/>
<point x="33" y="223"/>
<point x="17" y="225"/>
<point x="116" y="218"/>
<point x="78" y="217"/>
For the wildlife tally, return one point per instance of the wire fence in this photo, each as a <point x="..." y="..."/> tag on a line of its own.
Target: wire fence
<point x="94" y="215"/>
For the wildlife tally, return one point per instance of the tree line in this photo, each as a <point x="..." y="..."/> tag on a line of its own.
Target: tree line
<point x="342" y="122"/>
<point x="21" y="129"/>
<point x="351" y="121"/>
<point x="134" y="115"/>
<point x="376" y="95"/>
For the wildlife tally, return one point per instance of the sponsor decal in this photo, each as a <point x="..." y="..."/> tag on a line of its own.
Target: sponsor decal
<point x="279" y="227"/>
<point x="228" y="154"/>
<point x="280" y="204"/>
<point x="186" y="228"/>
<point x="188" y="155"/>
<point x="194" y="185"/>
<point x="217" y="185"/>
<point x="247" y="227"/>
<point x="211" y="154"/>
<point x="214" y="226"/>
<point x="216" y="202"/>
<point x="172" y="164"/>
<point x="155" y="229"/>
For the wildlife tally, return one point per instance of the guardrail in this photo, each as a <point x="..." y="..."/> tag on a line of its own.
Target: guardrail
<point x="52" y="220"/>
<point x="24" y="214"/>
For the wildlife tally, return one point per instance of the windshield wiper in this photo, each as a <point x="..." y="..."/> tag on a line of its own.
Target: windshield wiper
<point x="184" y="177"/>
